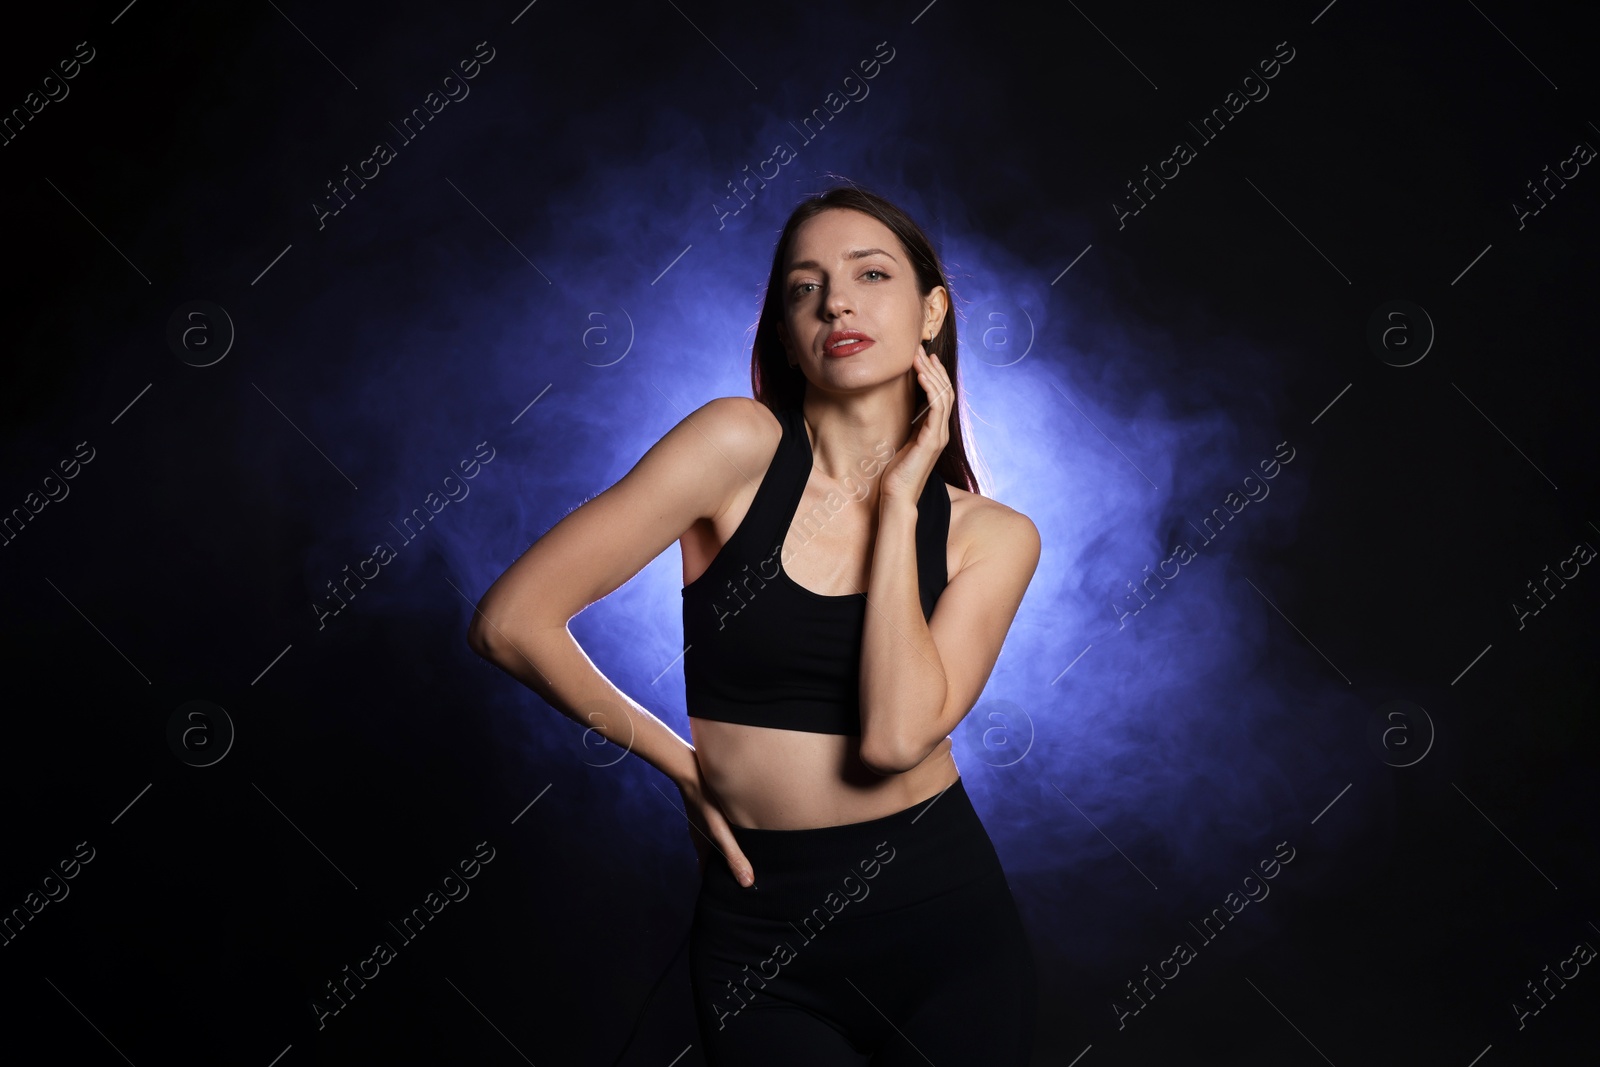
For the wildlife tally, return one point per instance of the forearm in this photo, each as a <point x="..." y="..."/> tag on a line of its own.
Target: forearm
<point x="549" y="661"/>
<point x="903" y="684"/>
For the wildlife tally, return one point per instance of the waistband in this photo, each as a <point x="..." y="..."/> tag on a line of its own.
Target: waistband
<point x="860" y="868"/>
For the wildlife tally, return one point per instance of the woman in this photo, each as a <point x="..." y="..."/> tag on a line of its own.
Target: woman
<point x="847" y="591"/>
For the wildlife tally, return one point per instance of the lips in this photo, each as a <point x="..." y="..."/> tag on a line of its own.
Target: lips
<point x="842" y="343"/>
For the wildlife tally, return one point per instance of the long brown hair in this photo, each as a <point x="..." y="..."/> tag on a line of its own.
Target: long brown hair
<point x="779" y="386"/>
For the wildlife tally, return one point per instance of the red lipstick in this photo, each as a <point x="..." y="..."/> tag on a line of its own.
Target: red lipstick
<point x="854" y="341"/>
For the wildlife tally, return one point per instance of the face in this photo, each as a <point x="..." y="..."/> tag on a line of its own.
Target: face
<point x="847" y="273"/>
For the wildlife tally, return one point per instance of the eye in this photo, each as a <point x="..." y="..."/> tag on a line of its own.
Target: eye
<point x="874" y="270"/>
<point x="795" y="291"/>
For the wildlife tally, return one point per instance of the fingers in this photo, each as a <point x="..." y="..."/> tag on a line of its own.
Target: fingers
<point x="940" y="394"/>
<point x="933" y="373"/>
<point x="742" y="871"/>
<point x="729" y="847"/>
<point x="710" y="831"/>
<point x="942" y="387"/>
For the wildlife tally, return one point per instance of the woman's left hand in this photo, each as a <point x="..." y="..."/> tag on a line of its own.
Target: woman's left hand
<point x="907" y="473"/>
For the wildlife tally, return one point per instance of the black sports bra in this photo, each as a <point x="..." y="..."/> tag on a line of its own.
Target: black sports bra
<point x="762" y="650"/>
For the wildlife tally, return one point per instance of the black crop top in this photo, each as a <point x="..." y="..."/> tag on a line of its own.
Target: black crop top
<point x="761" y="649"/>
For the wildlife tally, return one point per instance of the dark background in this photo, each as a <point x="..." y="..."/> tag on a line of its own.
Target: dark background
<point x="372" y="753"/>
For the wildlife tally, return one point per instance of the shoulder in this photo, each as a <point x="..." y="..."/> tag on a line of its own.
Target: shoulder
<point x="739" y="430"/>
<point x="981" y="527"/>
<point x="740" y="427"/>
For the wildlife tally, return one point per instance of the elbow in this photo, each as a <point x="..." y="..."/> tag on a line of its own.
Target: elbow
<point x="503" y="638"/>
<point x="884" y="756"/>
<point x="477" y="639"/>
<point x="481" y="634"/>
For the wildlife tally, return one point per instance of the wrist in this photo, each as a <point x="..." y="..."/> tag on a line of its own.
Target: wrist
<point x="896" y="509"/>
<point x="686" y="776"/>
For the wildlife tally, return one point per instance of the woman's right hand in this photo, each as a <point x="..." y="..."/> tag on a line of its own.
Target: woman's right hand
<point x="709" y="827"/>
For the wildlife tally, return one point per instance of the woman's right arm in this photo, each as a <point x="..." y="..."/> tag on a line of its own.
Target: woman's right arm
<point x="521" y="622"/>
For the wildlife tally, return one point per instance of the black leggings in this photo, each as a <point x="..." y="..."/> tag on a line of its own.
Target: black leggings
<point x="888" y="942"/>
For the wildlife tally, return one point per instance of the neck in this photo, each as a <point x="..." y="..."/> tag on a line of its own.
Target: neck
<point x="854" y="435"/>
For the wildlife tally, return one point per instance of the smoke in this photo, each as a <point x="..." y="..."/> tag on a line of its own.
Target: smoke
<point x="1135" y="733"/>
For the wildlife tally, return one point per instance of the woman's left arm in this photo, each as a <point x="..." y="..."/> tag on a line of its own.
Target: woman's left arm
<point x="920" y="676"/>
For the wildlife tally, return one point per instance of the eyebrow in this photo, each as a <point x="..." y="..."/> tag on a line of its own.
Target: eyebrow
<point x="858" y="253"/>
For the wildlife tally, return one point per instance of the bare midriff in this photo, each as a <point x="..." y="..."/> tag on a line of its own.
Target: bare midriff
<point x="768" y="779"/>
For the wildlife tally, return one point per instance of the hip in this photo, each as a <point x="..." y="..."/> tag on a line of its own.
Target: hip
<point x="921" y="914"/>
<point x="857" y="869"/>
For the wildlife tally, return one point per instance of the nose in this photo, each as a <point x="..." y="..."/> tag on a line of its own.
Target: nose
<point x="836" y="304"/>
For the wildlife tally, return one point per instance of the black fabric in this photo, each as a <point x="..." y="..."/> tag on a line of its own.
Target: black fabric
<point x="887" y="943"/>
<point x="762" y="650"/>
